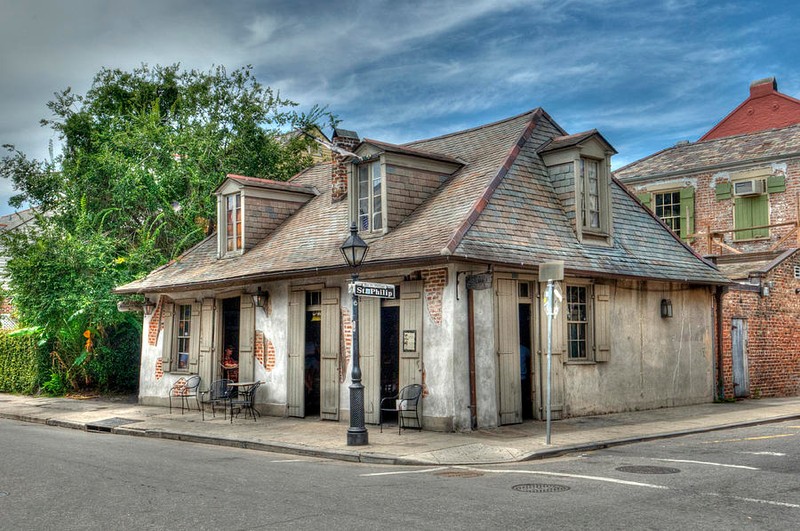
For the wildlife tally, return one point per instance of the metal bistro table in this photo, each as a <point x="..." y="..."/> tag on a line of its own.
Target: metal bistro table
<point x="246" y="399"/>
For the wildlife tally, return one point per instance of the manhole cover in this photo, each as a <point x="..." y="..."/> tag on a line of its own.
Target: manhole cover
<point x="459" y="474"/>
<point x="540" y="487"/>
<point x="108" y="424"/>
<point x="645" y="469"/>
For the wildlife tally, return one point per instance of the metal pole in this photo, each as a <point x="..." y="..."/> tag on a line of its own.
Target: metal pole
<point x="357" y="433"/>
<point x="549" y="351"/>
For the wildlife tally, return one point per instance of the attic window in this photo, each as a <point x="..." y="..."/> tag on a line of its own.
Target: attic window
<point x="233" y="222"/>
<point x="370" y="197"/>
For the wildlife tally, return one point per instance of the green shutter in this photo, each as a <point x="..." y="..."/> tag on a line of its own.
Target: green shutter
<point x="687" y="212"/>
<point x="751" y="212"/>
<point x="645" y="198"/>
<point x="723" y="191"/>
<point x="776" y="183"/>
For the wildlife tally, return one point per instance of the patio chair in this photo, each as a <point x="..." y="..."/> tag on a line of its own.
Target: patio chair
<point x="185" y="389"/>
<point x="406" y="404"/>
<point x="246" y="402"/>
<point x="220" y="392"/>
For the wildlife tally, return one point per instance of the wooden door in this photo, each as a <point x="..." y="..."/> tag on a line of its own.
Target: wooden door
<point x="207" y="334"/>
<point x="369" y="339"/>
<point x="295" y="395"/>
<point x="741" y="380"/>
<point x="329" y="354"/>
<point x="508" y="367"/>
<point x="411" y="308"/>
<point x="247" y="331"/>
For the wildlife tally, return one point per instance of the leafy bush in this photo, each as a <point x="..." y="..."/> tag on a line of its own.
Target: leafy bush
<point x="23" y="362"/>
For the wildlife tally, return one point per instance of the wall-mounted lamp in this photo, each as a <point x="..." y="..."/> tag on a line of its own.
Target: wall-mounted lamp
<point x="148" y="307"/>
<point x="260" y="298"/>
<point x="766" y="288"/>
<point x="666" y="308"/>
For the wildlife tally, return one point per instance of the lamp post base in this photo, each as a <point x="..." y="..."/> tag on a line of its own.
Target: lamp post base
<point x="356" y="437"/>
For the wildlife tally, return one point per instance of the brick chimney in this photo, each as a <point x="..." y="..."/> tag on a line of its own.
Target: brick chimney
<point x="762" y="87"/>
<point x="348" y="141"/>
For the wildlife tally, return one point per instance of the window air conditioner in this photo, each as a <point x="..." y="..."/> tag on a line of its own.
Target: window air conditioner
<point x="749" y="187"/>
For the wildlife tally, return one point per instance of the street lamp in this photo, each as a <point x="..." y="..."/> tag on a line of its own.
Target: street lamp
<point x="354" y="249"/>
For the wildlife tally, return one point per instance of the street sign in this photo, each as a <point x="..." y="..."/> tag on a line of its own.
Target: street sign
<point x="372" y="289"/>
<point x="481" y="281"/>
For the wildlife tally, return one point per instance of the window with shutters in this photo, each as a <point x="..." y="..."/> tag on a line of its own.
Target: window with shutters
<point x="369" y="198"/>
<point x="588" y="323"/>
<point x="577" y="298"/>
<point x="750" y="216"/>
<point x="233" y="222"/>
<point x="667" y="206"/>
<point x="183" y="318"/>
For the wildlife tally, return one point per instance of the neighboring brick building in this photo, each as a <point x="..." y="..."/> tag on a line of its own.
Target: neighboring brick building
<point x="734" y="197"/>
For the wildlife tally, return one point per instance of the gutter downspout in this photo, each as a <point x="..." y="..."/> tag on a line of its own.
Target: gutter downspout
<point x="473" y="395"/>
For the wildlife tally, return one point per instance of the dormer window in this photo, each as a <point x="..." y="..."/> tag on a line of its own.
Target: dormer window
<point x="579" y="168"/>
<point x="370" y="197"/>
<point x="233" y="222"/>
<point x="590" y="196"/>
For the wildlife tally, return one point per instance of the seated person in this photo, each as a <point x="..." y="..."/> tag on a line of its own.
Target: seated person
<point x="230" y="364"/>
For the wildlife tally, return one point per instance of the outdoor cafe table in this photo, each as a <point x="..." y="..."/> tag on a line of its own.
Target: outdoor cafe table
<point x="246" y="401"/>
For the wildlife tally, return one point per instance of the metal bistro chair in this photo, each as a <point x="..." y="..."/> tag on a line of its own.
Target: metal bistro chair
<point x="406" y="404"/>
<point x="185" y="389"/>
<point x="220" y="392"/>
<point x="246" y="401"/>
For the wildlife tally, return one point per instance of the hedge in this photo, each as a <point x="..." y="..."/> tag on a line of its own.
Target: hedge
<point x="21" y="363"/>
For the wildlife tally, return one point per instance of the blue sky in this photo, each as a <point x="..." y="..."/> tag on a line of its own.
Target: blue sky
<point x="645" y="73"/>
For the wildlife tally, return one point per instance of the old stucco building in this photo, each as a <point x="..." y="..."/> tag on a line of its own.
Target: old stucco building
<point x="734" y="197"/>
<point x="459" y="224"/>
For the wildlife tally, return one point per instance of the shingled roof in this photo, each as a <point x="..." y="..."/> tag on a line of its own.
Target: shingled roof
<point x="713" y="155"/>
<point x="499" y="207"/>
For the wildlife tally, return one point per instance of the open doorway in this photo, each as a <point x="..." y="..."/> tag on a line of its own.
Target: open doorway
<point x="390" y="350"/>
<point x="229" y="364"/>
<point x="525" y="348"/>
<point x="313" y="336"/>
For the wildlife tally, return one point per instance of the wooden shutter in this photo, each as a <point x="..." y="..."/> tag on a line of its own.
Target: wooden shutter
<point x="411" y="308"/>
<point x="295" y="399"/>
<point x="602" y="323"/>
<point x="369" y="346"/>
<point x="723" y="191"/>
<point x="329" y="354"/>
<point x="776" y="183"/>
<point x="194" y="340"/>
<point x="206" y="362"/>
<point x="247" y="333"/>
<point x="751" y="212"/>
<point x="168" y="338"/>
<point x="508" y="368"/>
<point x="645" y="198"/>
<point x="687" y="212"/>
<point x="559" y="350"/>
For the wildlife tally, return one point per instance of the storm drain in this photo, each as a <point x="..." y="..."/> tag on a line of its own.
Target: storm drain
<point x="540" y="487"/>
<point x="646" y="469"/>
<point x="106" y="425"/>
<point x="3" y="494"/>
<point x="459" y="474"/>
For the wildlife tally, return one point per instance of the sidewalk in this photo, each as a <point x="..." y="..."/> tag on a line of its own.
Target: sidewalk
<point x="312" y="437"/>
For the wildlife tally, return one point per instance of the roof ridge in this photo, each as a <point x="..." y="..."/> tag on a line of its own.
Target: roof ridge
<point x="476" y="128"/>
<point x="483" y="200"/>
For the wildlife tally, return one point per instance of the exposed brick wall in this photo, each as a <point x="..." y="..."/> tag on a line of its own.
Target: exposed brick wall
<point x="718" y="215"/>
<point x="339" y="175"/>
<point x="408" y="188"/>
<point x="155" y="325"/>
<point x="270" y="361"/>
<point x="434" y="281"/>
<point x="260" y="347"/>
<point x="159" y="369"/>
<point x="6" y="306"/>
<point x="773" y="325"/>
<point x="263" y="215"/>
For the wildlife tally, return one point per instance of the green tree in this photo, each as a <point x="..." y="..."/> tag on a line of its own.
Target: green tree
<point x="131" y="188"/>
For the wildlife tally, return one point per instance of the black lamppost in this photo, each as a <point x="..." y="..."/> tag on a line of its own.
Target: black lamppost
<point x="354" y="249"/>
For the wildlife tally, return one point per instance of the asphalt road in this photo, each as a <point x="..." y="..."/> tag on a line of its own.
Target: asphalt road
<point x="55" y="478"/>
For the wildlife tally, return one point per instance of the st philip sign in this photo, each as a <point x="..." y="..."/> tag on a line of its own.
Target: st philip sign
<point x="372" y="289"/>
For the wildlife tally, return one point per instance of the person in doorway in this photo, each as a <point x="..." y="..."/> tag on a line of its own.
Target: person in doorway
<point x="230" y="364"/>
